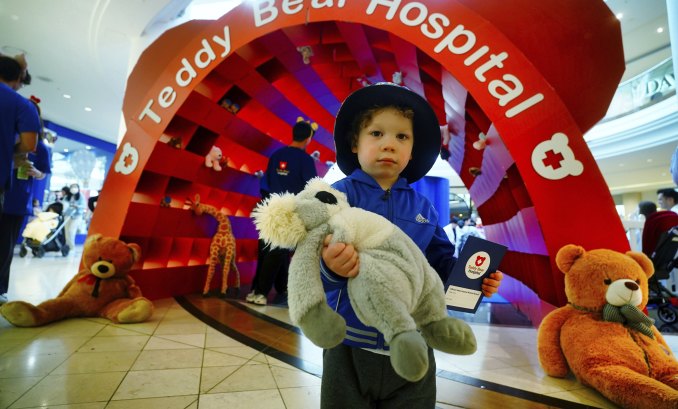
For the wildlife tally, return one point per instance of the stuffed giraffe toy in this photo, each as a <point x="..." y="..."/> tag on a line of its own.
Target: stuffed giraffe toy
<point x="222" y="247"/>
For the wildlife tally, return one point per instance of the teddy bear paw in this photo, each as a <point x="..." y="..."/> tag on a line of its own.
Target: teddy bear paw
<point x="19" y="314"/>
<point x="450" y="335"/>
<point x="138" y="311"/>
<point x="324" y="327"/>
<point x="409" y="355"/>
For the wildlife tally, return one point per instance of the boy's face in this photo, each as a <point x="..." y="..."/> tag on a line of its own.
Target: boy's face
<point x="384" y="146"/>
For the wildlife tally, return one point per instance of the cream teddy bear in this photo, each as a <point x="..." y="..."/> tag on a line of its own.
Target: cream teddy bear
<point x="602" y="334"/>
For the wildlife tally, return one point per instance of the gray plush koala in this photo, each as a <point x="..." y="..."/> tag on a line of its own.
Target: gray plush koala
<point x="396" y="290"/>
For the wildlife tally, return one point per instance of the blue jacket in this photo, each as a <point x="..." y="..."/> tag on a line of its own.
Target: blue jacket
<point x="17" y="115"/>
<point x="19" y="198"/>
<point x="412" y="213"/>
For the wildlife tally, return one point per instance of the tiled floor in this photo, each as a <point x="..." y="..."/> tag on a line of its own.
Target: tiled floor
<point x="177" y="361"/>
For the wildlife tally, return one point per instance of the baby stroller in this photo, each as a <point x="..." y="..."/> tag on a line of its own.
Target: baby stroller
<point x="46" y="232"/>
<point x="665" y="260"/>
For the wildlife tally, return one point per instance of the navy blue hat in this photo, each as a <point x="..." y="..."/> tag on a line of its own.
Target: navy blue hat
<point x="425" y="126"/>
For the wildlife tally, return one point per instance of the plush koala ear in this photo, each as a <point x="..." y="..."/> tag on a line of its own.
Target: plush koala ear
<point x="300" y="119"/>
<point x="567" y="255"/>
<point x="136" y="251"/>
<point x="644" y="262"/>
<point x="277" y="221"/>
<point x="316" y="184"/>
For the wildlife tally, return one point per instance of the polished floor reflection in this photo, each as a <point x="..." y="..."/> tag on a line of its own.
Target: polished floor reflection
<point x="209" y="353"/>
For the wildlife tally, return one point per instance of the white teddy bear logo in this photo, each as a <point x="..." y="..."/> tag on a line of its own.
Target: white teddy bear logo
<point x="554" y="159"/>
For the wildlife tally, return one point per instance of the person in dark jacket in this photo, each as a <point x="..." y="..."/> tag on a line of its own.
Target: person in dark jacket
<point x="386" y="137"/>
<point x="288" y="170"/>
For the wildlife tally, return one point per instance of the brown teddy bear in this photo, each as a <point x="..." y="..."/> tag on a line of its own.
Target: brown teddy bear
<point x="603" y="336"/>
<point x="101" y="289"/>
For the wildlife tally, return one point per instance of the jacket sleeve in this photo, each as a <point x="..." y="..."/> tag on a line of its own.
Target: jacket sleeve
<point x="331" y="281"/>
<point x="440" y="254"/>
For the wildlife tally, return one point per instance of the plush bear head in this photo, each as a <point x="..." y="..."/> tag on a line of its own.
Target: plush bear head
<point x="598" y="277"/>
<point x="284" y="220"/>
<point x="106" y="257"/>
<point x="215" y="153"/>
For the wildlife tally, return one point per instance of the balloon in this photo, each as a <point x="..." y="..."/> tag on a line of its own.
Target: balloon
<point x="82" y="162"/>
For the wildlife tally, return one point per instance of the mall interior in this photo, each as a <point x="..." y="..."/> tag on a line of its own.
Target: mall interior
<point x="135" y="94"/>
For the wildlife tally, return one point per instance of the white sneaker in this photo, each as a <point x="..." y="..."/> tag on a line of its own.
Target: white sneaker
<point x="260" y="299"/>
<point x="250" y="297"/>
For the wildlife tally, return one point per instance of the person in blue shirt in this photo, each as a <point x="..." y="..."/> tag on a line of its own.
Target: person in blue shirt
<point x="288" y="170"/>
<point x="19" y="127"/>
<point x="386" y="137"/>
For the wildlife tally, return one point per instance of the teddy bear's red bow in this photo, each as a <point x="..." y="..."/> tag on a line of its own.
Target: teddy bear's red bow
<point x="91" y="279"/>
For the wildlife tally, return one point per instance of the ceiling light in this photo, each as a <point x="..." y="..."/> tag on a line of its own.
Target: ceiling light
<point x="67" y="96"/>
<point x="88" y="109"/>
<point x="660" y="29"/>
<point x="65" y="149"/>
<point x="649" y="160"/>
<point x="620" y="16"/>
<point x="88" y="147"/>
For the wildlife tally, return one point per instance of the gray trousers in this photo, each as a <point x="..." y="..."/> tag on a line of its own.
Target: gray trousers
<point x="358" y="379"/>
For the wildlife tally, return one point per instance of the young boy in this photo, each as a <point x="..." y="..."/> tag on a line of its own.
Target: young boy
<point x="386" y="137"/>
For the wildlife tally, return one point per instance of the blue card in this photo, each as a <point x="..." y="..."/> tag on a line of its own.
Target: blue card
<point x="478" y="259"/>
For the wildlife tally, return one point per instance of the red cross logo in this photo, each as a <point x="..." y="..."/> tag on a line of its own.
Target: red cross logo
<point x="128" y="160"/>
<point x="553" y="159"/>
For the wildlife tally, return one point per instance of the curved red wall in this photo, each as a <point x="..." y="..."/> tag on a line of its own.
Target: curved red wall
<point x="486" y="67"/>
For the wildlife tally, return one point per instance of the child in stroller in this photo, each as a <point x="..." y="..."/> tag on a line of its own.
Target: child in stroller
<point x="46" y="232"/>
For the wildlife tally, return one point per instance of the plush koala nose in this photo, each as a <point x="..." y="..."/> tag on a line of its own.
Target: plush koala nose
<point x="326" y="197"/>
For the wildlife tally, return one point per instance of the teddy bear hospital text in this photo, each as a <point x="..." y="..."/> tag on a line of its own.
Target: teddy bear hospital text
<point x="459" y="41"/>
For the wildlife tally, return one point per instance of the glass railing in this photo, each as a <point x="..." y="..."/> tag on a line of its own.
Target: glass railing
<point x="641" y="91"/>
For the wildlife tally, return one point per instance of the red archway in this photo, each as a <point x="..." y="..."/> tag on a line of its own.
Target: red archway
<point x="484" y="67"/>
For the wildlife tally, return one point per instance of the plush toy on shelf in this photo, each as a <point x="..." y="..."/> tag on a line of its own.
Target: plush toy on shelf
<point x="397" y="77"/>
<point x="396" y="290"/>
<point x="101" y="289"/>
<point x="602" y="334"/>
<point x="306" y="53"/>
<point x="362" y="80"/>
<point x="175" y="142"/>
<point x="213" y="158"/>
<point x="481" y="143"/>
<point x="230" y="106"/>
<point x="166" y="201"/>
<point x="222" y="247"/>
<point x="475" y="171"/>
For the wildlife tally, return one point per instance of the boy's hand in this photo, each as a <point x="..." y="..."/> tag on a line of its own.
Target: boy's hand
<point x="491" y="283"/>
<point x="341" y="258"/>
